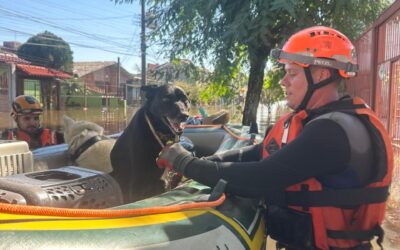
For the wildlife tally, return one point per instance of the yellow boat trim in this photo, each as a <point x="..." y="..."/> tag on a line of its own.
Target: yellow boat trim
<point x="258" y="237"/>
<point x="18" y="222"/>
<point x="13" y="222"/>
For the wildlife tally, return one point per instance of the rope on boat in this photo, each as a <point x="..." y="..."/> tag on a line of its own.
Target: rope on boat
<point x="104" y="213"/>
<point x="219" y="126"/>
<point x="234" y="135"/>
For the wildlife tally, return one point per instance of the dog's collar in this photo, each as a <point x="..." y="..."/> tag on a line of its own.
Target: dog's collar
<point x="169" y="176"/>
<point x="157" y="136"/>
<point x="82" y="148"/>
<point x="168" y="124"/>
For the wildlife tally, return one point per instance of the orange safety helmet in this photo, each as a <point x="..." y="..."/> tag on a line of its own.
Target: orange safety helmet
<point x="25" y="104"/>
<point x="320" y="46"/>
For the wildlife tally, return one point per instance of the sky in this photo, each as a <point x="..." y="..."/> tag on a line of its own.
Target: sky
<point x="96" y="30"/>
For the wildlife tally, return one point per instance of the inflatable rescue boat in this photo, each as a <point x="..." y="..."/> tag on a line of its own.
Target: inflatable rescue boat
<point x="47" y="203"/>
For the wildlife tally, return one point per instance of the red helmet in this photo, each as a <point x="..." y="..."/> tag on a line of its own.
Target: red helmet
<point x="321" y="46"/>
<point x="25" y="104"/>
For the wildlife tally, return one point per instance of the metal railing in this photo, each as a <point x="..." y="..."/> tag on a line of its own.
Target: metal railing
<point x="394" y="199"/>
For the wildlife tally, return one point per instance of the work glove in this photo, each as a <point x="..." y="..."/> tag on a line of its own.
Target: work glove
<point x="174" y="157"/>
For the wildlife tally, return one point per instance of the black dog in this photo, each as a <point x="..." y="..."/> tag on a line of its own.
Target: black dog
<point x="133" y="156"/>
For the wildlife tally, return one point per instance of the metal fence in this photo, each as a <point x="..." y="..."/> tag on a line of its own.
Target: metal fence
<point x="394" y="201"/>
<point x="378" y="54"/>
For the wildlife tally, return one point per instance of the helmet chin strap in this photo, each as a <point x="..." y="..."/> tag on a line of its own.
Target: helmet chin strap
<point x="311" y="87"/>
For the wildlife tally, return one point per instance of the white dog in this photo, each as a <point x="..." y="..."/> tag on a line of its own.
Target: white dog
<point x="87" y="146"/>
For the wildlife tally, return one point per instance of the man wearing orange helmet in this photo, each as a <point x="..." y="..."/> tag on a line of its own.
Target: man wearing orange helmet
<point x="324" y="169"/>
<point x="26" y="111"/>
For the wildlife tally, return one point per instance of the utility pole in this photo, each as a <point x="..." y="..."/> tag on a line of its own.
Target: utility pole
<point x="85" y="96"/>
<point x="143" y="42"/>
<point x="118" y="77"/>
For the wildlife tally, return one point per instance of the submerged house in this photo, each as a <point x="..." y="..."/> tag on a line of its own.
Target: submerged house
<point x="8" y="63"/>
<point x="107" y="79"/>
<point x="103" y="77"/>
<point x="19" y="76"/>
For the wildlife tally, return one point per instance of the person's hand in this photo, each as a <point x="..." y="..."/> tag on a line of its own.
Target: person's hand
<point x="174" y="157"/>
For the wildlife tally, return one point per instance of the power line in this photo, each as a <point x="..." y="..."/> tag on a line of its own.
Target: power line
<point x="91" y="10"/>
<point x="72" y="43"/>
<point x="38" y="20"/>
<point x="35" y="59"/>
<point x="84" y="4"/>
<point x="48" y="45"/>
<point x="91" y="18"/>
<point x="61" y="15"/>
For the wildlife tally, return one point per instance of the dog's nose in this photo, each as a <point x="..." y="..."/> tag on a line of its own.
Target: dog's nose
<point x="185" y="116"/>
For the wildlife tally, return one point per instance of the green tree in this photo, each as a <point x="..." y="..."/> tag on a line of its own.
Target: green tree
<point x="192" y="90"/>
<point x="231" y="34"/>
<point x="49" y="50"/>
<point x="182" y="70"/>
<point x="272" y="91"/>
<point x="71" y="88"/>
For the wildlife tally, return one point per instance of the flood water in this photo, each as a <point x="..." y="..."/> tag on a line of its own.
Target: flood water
<point x="112" y="120"/>
<point x="115" y="120"/>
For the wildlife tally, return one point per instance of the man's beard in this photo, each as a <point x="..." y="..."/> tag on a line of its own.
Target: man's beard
<point x="33" y="130"/>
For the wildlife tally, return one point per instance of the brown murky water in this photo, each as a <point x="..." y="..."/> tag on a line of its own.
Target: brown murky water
<point x="112" y="121"/>
<point x="115" y="120"/>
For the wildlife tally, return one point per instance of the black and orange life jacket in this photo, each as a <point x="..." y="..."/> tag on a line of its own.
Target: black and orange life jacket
<point x="47" y="137"/>
<point x="341" y="218"/>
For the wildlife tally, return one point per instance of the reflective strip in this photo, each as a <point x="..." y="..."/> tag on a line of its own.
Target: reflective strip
<point x="240" y="155"/>
<point x="346" y="66"/>
<point x="53" y="137"/>
<point x="11" y="135"/>
<point x="285" y="132"/>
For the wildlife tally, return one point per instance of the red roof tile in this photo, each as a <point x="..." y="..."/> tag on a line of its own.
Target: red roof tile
<point x="151" y="66"/>
<point x="11" y="58"/>
<point x="84" y="68"/>
<point x="32" y="70"/>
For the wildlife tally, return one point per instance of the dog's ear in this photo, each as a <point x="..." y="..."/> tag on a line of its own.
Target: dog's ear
<point x="68" y="121"/>
<point x="180" y="93"/>
<point x="68" y="124"/>
<point x="149" y="91"/>
<point x="93" y="126"/>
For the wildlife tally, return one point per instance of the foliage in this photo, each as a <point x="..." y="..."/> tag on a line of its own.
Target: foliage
<point x="183" y="70"/>
<point x="272" y="91"/>
<point x="231" y="34"/>
<point x="192" y="90"/>
<point x="229" y="92"/>
<point x="49" y="50"/>
<point x="197" y="81"/>
<point x="70" y="88"/>
<point x="213" y="91"/>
